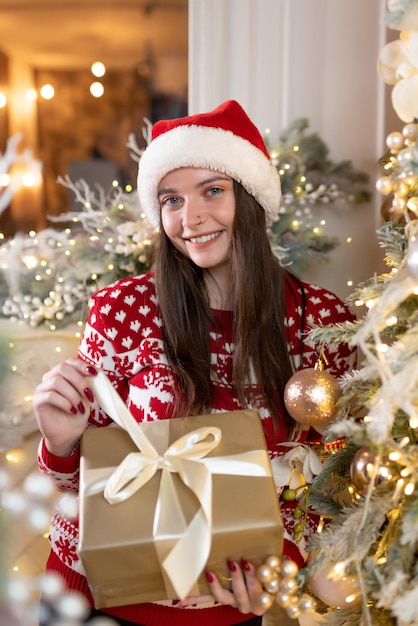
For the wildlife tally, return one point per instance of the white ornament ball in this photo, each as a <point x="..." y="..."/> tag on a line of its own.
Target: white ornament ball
<point x="342" y="592"/>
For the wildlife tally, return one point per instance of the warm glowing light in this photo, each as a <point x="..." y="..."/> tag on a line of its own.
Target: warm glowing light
<point x="28" y="179"/>
<point x="4" y="180"/>
<point x="3" y="100"/>
<point x="15" y="455"/>
<point x="370" y="303"/>
<point x="391" y="321"/>
<point x="98" y="69"/>
<point x="413" y="421"/>
<point x="350" y="283"/>
<point x="382" y="347"/>
<point x="31" y="95"/>
<point x="97" y="89"/>
<point x="349" y="239"/>
<point x="47" y="91"/>
<point x="395" y="455"/>
<point x="409" y="489"/>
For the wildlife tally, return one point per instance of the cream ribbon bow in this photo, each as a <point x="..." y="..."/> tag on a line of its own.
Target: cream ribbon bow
<point x="186" y="560"/>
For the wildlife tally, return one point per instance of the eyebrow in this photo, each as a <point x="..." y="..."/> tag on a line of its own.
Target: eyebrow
<point x="202" y="183"/>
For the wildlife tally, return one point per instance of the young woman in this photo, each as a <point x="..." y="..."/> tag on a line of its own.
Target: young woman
<point x="217" y="326"/>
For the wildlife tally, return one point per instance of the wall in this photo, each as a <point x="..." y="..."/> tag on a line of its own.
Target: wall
<point x="284" y="59"/>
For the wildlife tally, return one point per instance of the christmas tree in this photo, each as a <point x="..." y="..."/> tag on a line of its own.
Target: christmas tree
<point x="363" y="567"/>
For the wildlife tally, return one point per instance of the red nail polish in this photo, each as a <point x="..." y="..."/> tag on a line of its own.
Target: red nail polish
<point x="91" y="370"/>
<point x="231" y="565"/>
<point x="73" y="410"/>
<point x="209" y="577"/>
<point x="80" y="407"/>
<point x="88" y="394"/>
<point x="245" y="565"/>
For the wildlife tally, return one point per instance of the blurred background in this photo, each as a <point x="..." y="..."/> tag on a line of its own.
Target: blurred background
<point x="71" y="118"/>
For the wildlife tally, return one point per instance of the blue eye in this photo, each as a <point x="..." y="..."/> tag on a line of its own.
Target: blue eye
<point x="171" y="201"/>
<point x="214" y="191"/>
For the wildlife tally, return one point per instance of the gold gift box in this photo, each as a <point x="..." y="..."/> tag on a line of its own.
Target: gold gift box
<point x="118" y="548"/>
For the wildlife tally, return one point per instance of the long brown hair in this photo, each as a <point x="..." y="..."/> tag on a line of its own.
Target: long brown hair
<point x="258" y="314"/>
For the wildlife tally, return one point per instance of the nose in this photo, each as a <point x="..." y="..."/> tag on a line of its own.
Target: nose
<point x="191" y="214"/>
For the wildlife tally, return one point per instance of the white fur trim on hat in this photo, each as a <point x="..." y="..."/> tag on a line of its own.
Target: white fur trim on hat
<point x="211" y="148"/>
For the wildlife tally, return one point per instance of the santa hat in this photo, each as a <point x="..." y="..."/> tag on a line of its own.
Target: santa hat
<point x="225" y="140"/>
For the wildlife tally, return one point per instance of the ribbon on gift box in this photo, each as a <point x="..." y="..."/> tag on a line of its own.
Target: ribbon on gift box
<point x="187" y="457"/>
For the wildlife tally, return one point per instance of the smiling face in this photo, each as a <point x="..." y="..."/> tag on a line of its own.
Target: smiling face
<point x="197" y="214"/>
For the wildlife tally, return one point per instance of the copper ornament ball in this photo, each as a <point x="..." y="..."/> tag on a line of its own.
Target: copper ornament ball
<point x="310" y="397"/>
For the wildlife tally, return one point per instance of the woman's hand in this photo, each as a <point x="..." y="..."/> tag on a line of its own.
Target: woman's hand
<point x="245" y="589"/>
<point x="61" y="404"/>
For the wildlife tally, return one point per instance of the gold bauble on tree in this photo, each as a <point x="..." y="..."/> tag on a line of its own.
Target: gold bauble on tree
<point x="310" y="397"/>
<point x="367" y="465"/>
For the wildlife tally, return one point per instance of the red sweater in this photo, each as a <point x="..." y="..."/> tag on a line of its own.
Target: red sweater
<point x="123" y="336"/>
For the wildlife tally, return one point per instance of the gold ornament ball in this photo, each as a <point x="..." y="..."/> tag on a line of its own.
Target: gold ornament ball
<point x="273" y="585"/>
<point x="410" y="133"/>
<point x="395" y="141"/>
<point x="364" y="466"/>
<point x="411" y="259"/>
<point x="310" y="397"/>
<point x="289" y="568"/>
<point x="306" y="603"/>
<point x="386" y="208"/>
<point x="273" y="561"/>
<point x="384" y="185"/>
<point x="265" y="600"/>
<point x="265" y="573"/>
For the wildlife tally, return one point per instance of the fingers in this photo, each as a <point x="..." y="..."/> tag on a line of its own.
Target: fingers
<point x="61" y="404"/>
<point x="245" y="588"/>
<point x="65" y="387"/>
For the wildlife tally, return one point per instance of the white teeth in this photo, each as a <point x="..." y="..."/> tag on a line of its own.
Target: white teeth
<point x="204" y="239"/>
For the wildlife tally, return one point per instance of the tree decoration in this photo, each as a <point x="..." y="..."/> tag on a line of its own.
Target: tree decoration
<point x="309" y="179"/>
<point x="368" y="468"/>
<point x="311" y="397"/>
<point x="334" y="587"/>
<point x="367" y="491"/>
